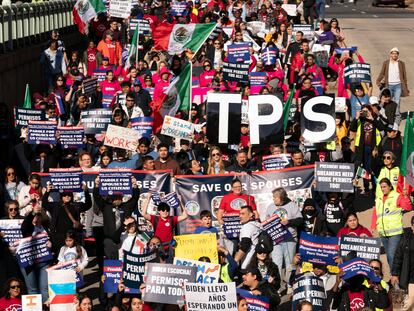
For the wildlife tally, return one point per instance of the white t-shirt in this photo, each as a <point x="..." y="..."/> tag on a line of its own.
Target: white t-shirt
<point x="250" y="230"/>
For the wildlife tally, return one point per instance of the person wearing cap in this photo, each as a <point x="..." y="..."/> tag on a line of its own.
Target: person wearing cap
<point x="394" y="76"/>
<point x="110" y="48"/>
<point x="314" y="222"/>
<point x="402" y="270"/>
<point x="254" y="283"/>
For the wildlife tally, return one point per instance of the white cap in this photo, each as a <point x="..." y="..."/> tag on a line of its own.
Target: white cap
<point x="373" y="100"/>
<point x="394" y="49"/>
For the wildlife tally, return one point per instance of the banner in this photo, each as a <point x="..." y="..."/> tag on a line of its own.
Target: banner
<point x="121" y="137"/>
<point x="238" y="72"/>
<point x="95" y="121"/>
<point x="276" y="162"/>
<point x="33" y="250"/>
<point x="42" y="132"/>
<point x="278" y="232"/>
<point x="306" y="29"/>
<point x="347" y="49"/>
<point x="358" y="266"/>
<point x="134" y="268"/>
<point x="172" y="200"/>
<point x="177" y="128"/>
<point x="89" y="85"/>
<point x="207" y="273"/>
<point x="112" y="271"/>
<point x="115" y="181"/>
<point x="257" y="27"/>
<point x="165" y="283"/>
<point x="69" y="265"/>
<point x="208" y="297"/>
<point x="199" y="94"/>
<point x="143" y="125"/>
<point x="32" y="302"/>
<point x="144" y="28"/>
<point x="100" y="74"/>
<point x="318" y="249"/>
<point x="194" y="246"/>
<point x="179" y="8"/>
<point x="22" y="116"/>
<point x="120" y="8"/>
<point x="365" y="248"/>
<point x="357" y="73"/>
<point x="311" y="288"/>
<point x="11" y="230"/>
<point x="204" y="192"/>
<point x="340" y="104"/>
<point x="334" y="177"/>
<point x="238" y="53"/>
<point x="269" y="56"/>
<point x="70" y="136"/>
<point x="232" y="226"/>
<point x="255" y="303"/>
<point x="62" y="289"/>
<point x="68" y="179"/>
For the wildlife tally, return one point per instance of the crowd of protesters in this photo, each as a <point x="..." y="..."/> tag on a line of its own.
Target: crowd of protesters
<point x="367" y="134"/>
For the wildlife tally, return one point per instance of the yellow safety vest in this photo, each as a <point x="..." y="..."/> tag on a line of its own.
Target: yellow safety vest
<point x="384" y="286"/>
<point x="391" y="174"/>
<point x="224" y="274"/>
<point x="358" y="135"/>
<point x="389" y="215"/>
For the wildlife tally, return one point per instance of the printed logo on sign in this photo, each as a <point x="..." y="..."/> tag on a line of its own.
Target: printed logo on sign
<point x="192" y="208"/>
<point x="282" y="213"/>
<point x="356" y="304"/>
<point x="83" y="6"/>
<point x="215" y="204"/>
<point x="237" y="204"/>
<point x="181" y="35"/>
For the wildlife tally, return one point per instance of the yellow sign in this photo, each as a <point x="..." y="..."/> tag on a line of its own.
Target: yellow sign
<point x="194" y="246"/>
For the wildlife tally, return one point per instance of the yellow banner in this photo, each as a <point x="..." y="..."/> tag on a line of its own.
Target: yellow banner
<point x="194" y="246"/>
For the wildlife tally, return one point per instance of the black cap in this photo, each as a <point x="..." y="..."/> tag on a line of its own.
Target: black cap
<point x="309" y="202"/>
<point x="262" y="249"/>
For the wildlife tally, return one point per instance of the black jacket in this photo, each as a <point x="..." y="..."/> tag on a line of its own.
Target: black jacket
<point x="371" y="299"/>
<point x="143" y="100"/>
<point x="401" y="263"/>
<point x="108" y="213"/>
<point x="50" y="161"/>
<point x="269" y="291"/>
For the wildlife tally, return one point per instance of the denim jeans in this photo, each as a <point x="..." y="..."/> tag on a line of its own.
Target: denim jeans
<point x="283" y="254"/>
<point x="395" y="93"/>
<point x="36" y="279"/>
<point x="320" y="9"/>
<point x="390" y="245"/>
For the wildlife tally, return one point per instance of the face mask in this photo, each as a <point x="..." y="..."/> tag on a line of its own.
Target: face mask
<point x="310" y="213"/>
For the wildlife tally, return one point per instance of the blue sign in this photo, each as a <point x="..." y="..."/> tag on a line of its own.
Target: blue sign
<point x="33" y="250"/>
<point x="143" y="125"/>
<point x="42" y="132"/>
<point x="112" y="272"/>
<point x="317" y="249"/>
<point x="254" y="303"/>
<point x="71" y="137"/>
<point x="358" y="266"/>
<point x="238" y="53"/>
<point x="115" y="182"/>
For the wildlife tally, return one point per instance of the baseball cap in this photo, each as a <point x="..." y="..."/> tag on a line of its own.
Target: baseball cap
<point x="105" y="58"/>
<point x="394" y="49"/>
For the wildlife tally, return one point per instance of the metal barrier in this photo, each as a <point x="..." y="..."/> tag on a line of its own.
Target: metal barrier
<point x="29" y="23"/>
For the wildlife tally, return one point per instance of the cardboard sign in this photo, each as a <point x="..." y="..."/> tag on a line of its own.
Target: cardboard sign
<point x="290" y="9"/>
<point x="358" y="266"/>
<point x="69" y="179"/>
<point x="95" y="121"/>
<point x="11" y="228"/>
<point x="115" y="181"/>
<point x="206" y="297"/>
<point x="134" y="268"/>
<point x="143" y="125"/>
<point x="42" y="132"/>
<point x="334" y="177"/>
<point x="32" y="302"/>
<point x="276" y="162"/>
<point x="112" y="272"/>
<point x="33" y="250"/>
<point x="357" y="73"/>
<point x="22" y="116"/>
<point x="365" y="248"/>
<point x="177" y="128"/>
<point x="278" y="232"/>
<point x="194" y="246"/>
<point x="232" y="226"/>
<point x="62" y="289"/>
<point x="207" y="273"/>
<point x="71" y="136"/>
<point x="165" y="282"/>
<point x="317" y="249"/>
<point x="120" y="8"/>
<point x="121" y="137"/>
<point x="310" y="288"/>
<point x="307" y="30"/>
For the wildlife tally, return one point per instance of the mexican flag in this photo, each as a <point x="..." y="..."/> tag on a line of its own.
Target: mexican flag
<point x="84" y="11"/>
<point x="133" y="50"/>
<point x="177" y="38"/>
<point x="361" y="172"/>
<point x="27" y="100"/>
<point x="407" y="156"/>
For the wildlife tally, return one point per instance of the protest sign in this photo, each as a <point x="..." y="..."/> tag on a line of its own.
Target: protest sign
<point x="334" y="177"/>
<point x="70" y="136"/>
<point x="115" y="181"/>
<point x="11" y="228"/>
<point x="357" y="73"/>
<point x="278" y="232"/>
<point x="95" y="121"/>
<point x="207" y="273"/>
<point x="254" y="303"/>
<point x="257" y="27"/>
<point x="22" y="116"/>
<point x="257" y="78"/>
<point x="134" y="268"/>
<point x="269" y="56"/>
<point x="232" y="226"/>
<point x="309" y="287"/>
<point x="318" y="249"/>
<point x="307" y="30"/>
<point x="199" y="94"/>
<point x="33" y="250"/>
<point x="290" y="9"/>
<point x="206" y="297"/>
<point x="66" y="179"/>
<point x="194" y="246"/>
<point x="69" y="265"/>
<point x="42" y="132"/>
<point x="177" y="128"/>
<point x="172" y="200"/>
<point x="364" y="247"/>
<point x="238" y="53"/>
<point x="120" y="8"/>
<point x="112" y="271"/>
<point x="276" y="162"/>
<point x="89" y="85"/>
<point x="32" y="302"/>
<point x="62" y="289"/>
<point x="179" y="8"/>
<point x="121" y="137"/>
<point x="347" y="49"/>
<point x="358" y="266"/>
<point x="340" y="104"/>
<point x="236" y="72"/>
<point x="100" y="74"/>
<point x="143" y="125"/>
<point x="144" y="30"/>
<point x="165" y="282"/>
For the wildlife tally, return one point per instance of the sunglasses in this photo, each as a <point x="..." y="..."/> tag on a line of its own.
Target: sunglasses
<point x="15" y="286"/>
<point x="215" y="154"/>
<point x="386" y="158"/>
<point x="59" y="80"/>
<point x="11" y="174"/>
<point x="375" y="268"/>
<point x="13" y="209"/>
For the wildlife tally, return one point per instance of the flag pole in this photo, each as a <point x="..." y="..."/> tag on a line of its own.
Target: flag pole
<point x="136" y="54"/>
<point x="191" y="90"/>
<point x="406" y="120"/>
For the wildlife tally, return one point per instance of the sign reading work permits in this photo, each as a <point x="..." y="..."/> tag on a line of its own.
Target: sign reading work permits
<point x="334" y="177"/>
<point x="365" y="248"/>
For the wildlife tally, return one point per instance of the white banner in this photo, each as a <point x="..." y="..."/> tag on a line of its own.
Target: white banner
<point x="206" y="297"/>
<point x="120" y="8"/>
<point x="177" y="128"/>
<point x="290" y="9"/>
<point x="121" y="137"/>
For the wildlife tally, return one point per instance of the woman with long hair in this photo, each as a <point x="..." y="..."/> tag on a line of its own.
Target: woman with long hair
<point x="215" y="162"/>
<point x="352" y="227"/>
<point x="12" y="185"/>
<point x="72" y="250"/>
<point x="83" y="303"/>
<point x="11" y="296"/>
<point x="30" y="196"/>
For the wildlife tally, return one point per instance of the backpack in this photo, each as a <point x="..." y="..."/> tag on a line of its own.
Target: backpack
<point x="265" y="239"/>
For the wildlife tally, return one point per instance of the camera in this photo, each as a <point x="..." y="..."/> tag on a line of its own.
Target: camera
<point x="363" y="114"/>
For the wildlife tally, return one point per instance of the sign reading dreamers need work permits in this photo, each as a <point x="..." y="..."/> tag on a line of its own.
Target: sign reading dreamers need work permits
<point x="366" y="248"/>
<point x="334" y="177"/>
